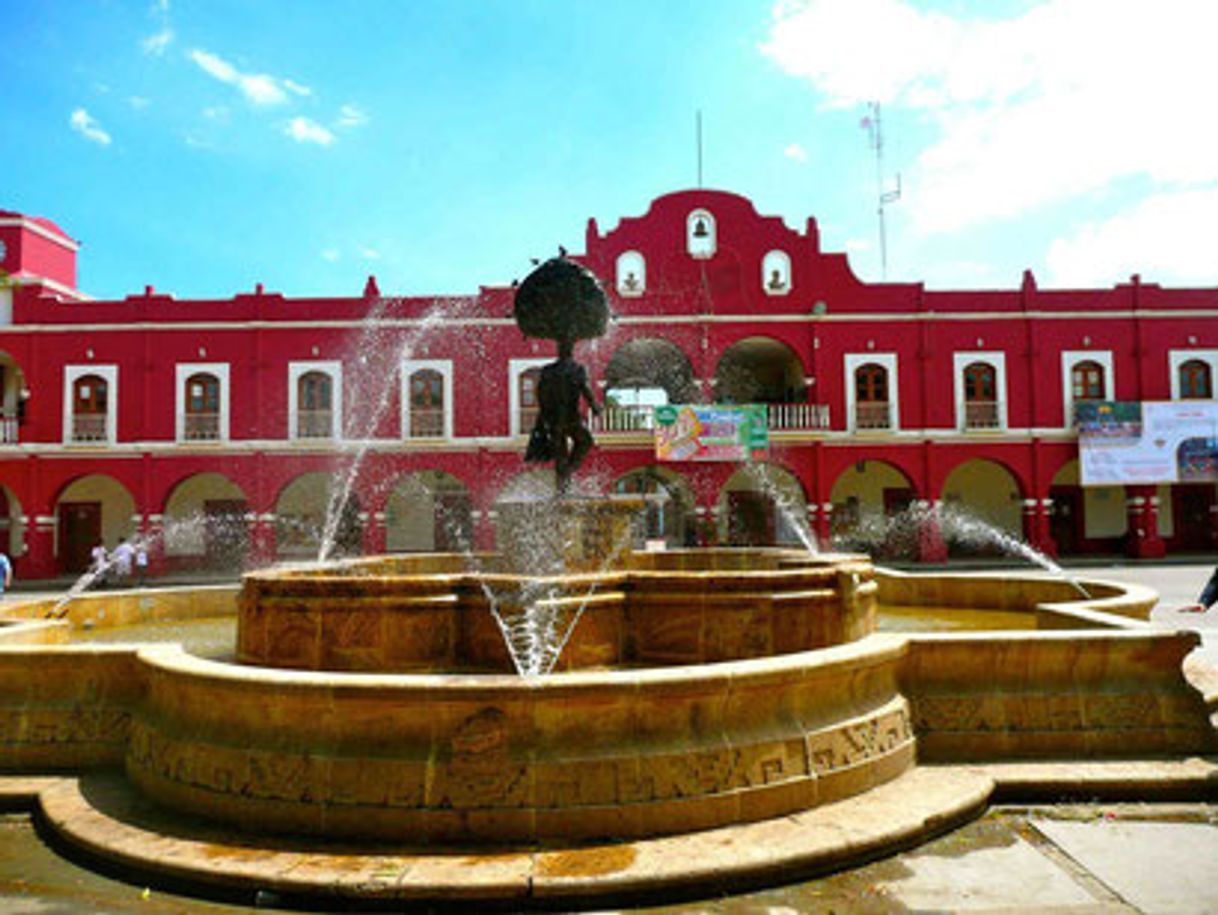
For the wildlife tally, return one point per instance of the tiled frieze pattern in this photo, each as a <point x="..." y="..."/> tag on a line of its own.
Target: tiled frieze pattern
<point x="611" y="756"/>
<point x="1054" y="694"/>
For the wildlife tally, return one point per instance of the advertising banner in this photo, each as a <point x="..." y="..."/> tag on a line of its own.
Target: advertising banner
<point x="1149" y="442"/>
<point x="736" y="432"/>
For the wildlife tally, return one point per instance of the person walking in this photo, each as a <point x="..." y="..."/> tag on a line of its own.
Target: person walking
<point x="1208" y="597"/>
<point x="101" y="564"/>
<point x="6" y="573"/>
<point x="123" y="556"/>
<point x="141" y="564"/>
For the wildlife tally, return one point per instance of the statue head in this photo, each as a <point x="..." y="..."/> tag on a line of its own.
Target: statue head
<point x="561" y="300"/>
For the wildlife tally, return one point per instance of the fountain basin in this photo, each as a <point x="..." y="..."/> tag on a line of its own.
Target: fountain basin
<point x="494" y="759"/>
<point x="433" y="612"/>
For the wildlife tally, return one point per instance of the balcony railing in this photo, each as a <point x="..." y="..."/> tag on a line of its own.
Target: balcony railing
<point x="201" y="427"/>
<point x="314" y="423"/>
<point x="623" y="419"/>
<point x="426" y="422"/>
<point x="872" y="415"/>
<point x="797" y="417"/>
<point x="89" y="427"/>
<point x="981" y="414"/>
<point x="8" y="428"/>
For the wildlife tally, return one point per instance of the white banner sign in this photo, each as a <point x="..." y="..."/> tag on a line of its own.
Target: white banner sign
<point x="1122" y="442"/>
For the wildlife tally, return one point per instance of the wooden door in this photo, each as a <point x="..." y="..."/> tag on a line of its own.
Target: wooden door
<point x="1066" y="521"/>
<point x="79" y="532"/>
<point x="1191" y="516"/>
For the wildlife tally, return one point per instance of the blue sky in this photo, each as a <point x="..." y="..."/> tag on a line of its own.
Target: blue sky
<point x="205" y="145"/>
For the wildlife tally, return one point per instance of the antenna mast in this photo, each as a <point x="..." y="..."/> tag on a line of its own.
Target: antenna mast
<point x="875" y="127"/>
<point x="698" y="136"/>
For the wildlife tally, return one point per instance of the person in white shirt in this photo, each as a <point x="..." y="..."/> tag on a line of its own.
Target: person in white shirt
<point x="123" y="556"/>
<point x="100" y="565"/>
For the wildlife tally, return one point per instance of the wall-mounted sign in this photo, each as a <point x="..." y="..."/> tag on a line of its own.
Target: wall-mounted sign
<point x="1147" y="442"/>
<point x="736" y="432"/>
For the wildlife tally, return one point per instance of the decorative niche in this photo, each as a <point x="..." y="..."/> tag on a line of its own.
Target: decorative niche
<point x="701" y="237"/>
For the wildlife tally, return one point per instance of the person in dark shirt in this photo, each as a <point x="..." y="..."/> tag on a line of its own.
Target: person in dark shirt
<point x="1209" y="596"/>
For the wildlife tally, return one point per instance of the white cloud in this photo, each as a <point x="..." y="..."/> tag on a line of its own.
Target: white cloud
<point x="216" y="113"/>
<point x="259" y="88"/>
<point x="330" y="254"/>
<point x="1064" y="99"/>
<point x="1167" y="236"/>
<point x="303" y="130"/>
<point x="371" y="254"/>
<point x="796" y="153"/>
<point x="857" y="244"/>
<point x="138" y="102"/>
<point x="351" y="116"/>
<point x="156" y="44"/>
<point x="87" y="126"/>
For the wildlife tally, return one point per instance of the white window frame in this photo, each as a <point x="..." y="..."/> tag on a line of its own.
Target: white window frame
<point x="182" y="371"/>
<point x="445" y="368"/>
<point x="334" y="369"/>
<point x="1070" y="358"/>
<point x="853" y="362"/>
<point x="516" y="368"/>
<point x="998" y="362"/>
<point x="109" y="373"/>
<point x="768" y="260"/>
<point x="1177" y="358"/>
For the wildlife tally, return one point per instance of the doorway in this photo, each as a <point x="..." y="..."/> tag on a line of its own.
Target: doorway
<point x="79" y="532"/>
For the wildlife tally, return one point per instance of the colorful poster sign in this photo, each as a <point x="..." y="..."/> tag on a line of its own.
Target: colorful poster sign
<point x="735" y="432"/>
<point x="1151" y="442"/>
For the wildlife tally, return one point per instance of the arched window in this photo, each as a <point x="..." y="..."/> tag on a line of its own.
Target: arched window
<point x="1087" y="381"/>
<point x="314" y="405"/>
<point x="202" y="400"/>
<point x="871" y="397"/>
<point x="980" y="396"/>
<point x="1196" y="381"/>
<point x="90" y="406"/>
<point x="426" y="404"/>
<point x="527" y="392"/>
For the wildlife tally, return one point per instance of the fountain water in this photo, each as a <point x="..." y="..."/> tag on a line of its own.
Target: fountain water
<point x="784" y="504"/>
<point x="381" y="354"/>
<point x="876" y="532"/>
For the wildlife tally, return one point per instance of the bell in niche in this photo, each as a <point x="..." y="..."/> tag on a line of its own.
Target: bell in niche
<point x="700" y="228"/>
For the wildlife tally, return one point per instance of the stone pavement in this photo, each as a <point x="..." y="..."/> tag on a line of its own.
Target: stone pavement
<point x="1080" y="859"/>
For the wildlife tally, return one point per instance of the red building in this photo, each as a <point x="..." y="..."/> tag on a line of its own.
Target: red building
<point x="220" y="429"/>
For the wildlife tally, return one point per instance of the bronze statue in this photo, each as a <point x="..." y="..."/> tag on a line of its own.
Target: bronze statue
<point x="561" y="301"/>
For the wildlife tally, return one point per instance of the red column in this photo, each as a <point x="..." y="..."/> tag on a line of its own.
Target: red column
<point x="38" y="560"/>
<point x="1036" y="526"/>
<point x="152" y="538"/>
<point x="1144" y="541"/>
<point x="262" y="539"/>
<point x="931" y="545"/>
<point x="375" y="537"/>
